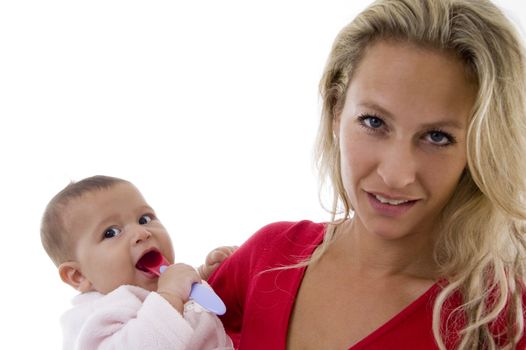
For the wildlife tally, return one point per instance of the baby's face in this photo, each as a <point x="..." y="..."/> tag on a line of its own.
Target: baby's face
<point x="113" y="229"/>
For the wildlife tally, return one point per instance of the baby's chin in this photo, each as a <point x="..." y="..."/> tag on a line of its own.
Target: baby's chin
<point x="151" y="285"/>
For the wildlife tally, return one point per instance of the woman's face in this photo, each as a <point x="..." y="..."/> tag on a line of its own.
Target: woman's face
<point x="402" y="136"/>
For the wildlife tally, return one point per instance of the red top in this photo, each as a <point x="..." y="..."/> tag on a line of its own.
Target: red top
<point x="259" y="303"/>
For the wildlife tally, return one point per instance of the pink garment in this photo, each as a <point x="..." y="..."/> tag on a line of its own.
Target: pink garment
<point x="131" y="317"/>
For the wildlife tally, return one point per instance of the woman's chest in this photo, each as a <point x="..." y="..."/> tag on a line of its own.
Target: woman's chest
<point x="334" y="312"/>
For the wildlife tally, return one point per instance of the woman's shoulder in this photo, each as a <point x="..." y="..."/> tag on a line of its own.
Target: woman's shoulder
<point x="295" y="232"/>
<point x="299" y="230"/>
<point x="283" y="240"/>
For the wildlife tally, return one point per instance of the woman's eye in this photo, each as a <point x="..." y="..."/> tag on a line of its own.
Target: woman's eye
<point x="112" y="232"/>
<point x="143" y="220"/>
<point x="371" y="122"/>
<point x="439" y="138"/>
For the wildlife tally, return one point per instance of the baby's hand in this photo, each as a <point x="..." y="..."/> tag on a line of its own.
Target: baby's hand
<point x="175" y="284"/>
<point x="214" y="259"/>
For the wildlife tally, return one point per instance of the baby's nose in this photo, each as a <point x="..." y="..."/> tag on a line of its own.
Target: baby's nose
<point x="141" y="234"/>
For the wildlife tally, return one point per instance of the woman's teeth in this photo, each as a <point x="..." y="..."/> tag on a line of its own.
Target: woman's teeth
<point x="391" y="201"/>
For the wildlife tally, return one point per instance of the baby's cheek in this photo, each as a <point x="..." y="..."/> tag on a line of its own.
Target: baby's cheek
<point x="169" y="252"/>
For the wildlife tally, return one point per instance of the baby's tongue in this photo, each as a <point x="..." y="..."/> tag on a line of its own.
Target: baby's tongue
<point x="151" y="262"/>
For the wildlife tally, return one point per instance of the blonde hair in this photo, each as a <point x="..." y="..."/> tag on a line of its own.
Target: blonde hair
<point x="481" y="247"/>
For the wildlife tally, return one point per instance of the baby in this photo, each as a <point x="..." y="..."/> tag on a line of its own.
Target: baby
<point x="96" y="231"/>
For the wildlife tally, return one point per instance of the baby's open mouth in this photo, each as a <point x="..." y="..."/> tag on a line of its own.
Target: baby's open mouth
<point x="150" y="261"/>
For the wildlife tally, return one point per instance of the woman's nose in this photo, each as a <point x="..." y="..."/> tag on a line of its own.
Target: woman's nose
<point x="398" y="165"/>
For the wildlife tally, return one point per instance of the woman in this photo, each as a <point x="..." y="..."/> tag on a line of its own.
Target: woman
<point x="421" y="137"/>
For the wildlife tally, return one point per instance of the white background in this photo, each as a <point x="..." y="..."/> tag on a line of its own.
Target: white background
<point x="209" y="107"/>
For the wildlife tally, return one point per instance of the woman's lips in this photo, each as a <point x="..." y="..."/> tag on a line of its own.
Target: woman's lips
<point x="387" y="209"/>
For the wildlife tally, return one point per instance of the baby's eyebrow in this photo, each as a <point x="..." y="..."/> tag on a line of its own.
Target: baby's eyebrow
<point x="147" y="208"/>
<point x="104" y="223"/>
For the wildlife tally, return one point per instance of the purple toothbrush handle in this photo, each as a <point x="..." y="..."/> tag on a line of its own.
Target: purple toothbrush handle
<point x="204" y="296"/>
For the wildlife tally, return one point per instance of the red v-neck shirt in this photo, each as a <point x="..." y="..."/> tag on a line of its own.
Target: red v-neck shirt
<point x="259" y="302"/>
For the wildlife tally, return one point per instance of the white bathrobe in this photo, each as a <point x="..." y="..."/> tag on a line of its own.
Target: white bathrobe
<point x="131" y="317"/>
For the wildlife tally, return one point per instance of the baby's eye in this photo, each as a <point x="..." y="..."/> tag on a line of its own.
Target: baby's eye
<point x="112" y="232"/>
<point x="439" y="138"/>
<point x="146" y="218"/>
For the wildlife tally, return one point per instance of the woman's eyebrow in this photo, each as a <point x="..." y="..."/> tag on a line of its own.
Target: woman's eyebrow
<point x="453" y="124"/>
<point x="376" y="107"/>
<point x="446" y="122"/>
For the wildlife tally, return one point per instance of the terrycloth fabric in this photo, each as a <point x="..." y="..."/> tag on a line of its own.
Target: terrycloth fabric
<point x="133" y="318"/>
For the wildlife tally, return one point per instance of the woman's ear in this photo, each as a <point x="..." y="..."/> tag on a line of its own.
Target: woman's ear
<point x="71" y="274"/>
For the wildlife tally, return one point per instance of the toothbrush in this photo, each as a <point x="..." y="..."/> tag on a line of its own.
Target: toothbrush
<point x="156" y="263"/>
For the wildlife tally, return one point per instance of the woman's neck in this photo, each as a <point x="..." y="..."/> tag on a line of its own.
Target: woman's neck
<point x="367" y="254"/>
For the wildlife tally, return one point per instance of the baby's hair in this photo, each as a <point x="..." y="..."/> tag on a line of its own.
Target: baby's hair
<point x="53" y="230"/>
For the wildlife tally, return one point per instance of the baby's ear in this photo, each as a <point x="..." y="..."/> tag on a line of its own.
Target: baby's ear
<point x="71" y="274"/>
